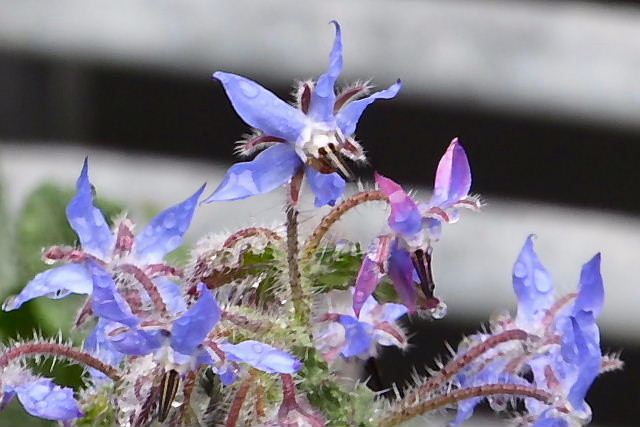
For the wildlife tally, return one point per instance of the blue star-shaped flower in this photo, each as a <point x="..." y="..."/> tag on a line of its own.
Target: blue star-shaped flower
<point x="99" y="243"/>
<point x="313" y="136"/>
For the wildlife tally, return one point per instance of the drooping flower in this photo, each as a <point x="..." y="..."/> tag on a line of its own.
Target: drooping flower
<point x="39" y="396"/>
<point x="563" y="349"/>
<point x="119" y="251"/>
<point x="341" y="332"/>
<point x="405" y="253"/>
<point x="313" y="137"/>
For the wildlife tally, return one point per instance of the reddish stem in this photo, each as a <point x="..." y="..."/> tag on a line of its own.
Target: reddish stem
<point x="61" y="350"/>
<point x="147" y="284"/>
<point x="456" y="365"/>
<point x="238" y="400"/>
<point x="464" y="394"/>
<point x="250" y="232"/>
<point x="335" y="214"/>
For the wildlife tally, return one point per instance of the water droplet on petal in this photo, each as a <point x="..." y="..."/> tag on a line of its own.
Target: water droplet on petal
<point x="542" y="280"/>
<point x="359" y="295"/>
<point x="98" y="219"/>
<point x="9" y="304"/>
<point x="169" y="220"/>
<point x="257" y="348"/>
<point x="174" y="241"/>
<point x="439" y="311"/>
<point x="249" y="90"/>
<point x="520" y="270"/>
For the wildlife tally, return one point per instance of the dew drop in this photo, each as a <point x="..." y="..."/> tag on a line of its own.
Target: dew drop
<point x="542" y="280"/>
<point x="9" y="304"/>
<point x="359" y="295"/>
<point x="439" y="311"/>
<point x="249" y="90"/>
<point x="169" y="220"/>
<point x="257" y="348"/>
<point x="520" y="270"/>
<point x="174" y="242"/>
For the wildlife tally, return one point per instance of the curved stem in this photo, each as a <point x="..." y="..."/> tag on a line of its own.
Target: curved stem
<point x="147" y="284"/>
<point x="250" y="232"/>
<point x="60" y="350"/>
<point x="464" y="394"/>
<point x="335" y="214"/>
<point x="238" y="400"/>
<point x="458" y="364"/>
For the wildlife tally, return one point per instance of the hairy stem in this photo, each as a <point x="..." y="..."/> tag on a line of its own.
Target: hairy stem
<point x="300" y="306"/>
<point x="61" y="350"/>
<point x="335" y="214"/>
<point x="242" y="321"/>
<point x="250" y="232"/>
<point x="147" y="284"/>
<point x="458" y="364"/>
<point x="464" y="394"/>
<point x="238" y="400"/>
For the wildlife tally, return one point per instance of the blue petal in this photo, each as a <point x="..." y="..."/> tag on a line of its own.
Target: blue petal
<point x="99" y="345"/>
<point x="357" y="336"/>
<point x="55" y="283"/>
<point x="44" y="399"/>
<point x="327" y="187"/>
<point x="465" y="410"/>
<point x="164" y="233"/>
<point x="580" y="347"/>
<point x="88" y="221"/>
<point x="591" y="291"/>
<point x="190" y="330"/>
<point x="136" y="342"/>
<point x="171" y="294"/>
<point x="272" y="168"/>
<point x="349" y="116"/>
<point x="107" y="301"/>
<point x="261" y="109"/>
<point x="533" y="286"/>
<point x="392" y="312"/>
<point x="262" y="356"/>
<point x="401" y="270"/>
<point x="323" y="98"/>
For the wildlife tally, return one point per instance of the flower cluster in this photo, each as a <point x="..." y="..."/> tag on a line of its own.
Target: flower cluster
<point x="251" y="329"/>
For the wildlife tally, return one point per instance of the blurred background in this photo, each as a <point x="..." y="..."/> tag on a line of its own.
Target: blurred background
<point x="544" y="95"/>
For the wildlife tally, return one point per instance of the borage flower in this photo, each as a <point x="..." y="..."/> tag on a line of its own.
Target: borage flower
<point x="563" y="349"/>
<point x="181" y="345"/>
<point x="341" y="332"/>
<point x="314" y="137"/>
<point x="39" y="396"/>
<point x="405" y="253"/>
<point x="140" y="257"/>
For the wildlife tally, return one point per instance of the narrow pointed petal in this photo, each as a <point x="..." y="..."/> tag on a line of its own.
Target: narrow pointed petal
<point x="262" y="356"/>
<point x="453" y="176"/>
<point x="591" y="290"/>
<point x="357" y="336"/>
<point x="164" y="233"/>
<point x="327" y="187"/>
<point x="271" y="169"/>
<point x="190" y="330"/>
<point x="107" y="301"/>
<point x="401" y="271"/>
<point x="324" y="97"/>
<point x="44" y="399"/>
<point x="261" y="109"/>
<point x="371" y="272"/>
<point x="349" y="116"/>
<point x="405" y="216"/>
<point x="88" y="221"/>
<point x="533" y="285"/>
<point x="55" y="283"/>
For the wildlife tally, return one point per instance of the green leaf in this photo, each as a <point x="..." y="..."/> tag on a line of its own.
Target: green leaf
<point x="334" y="269"/>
